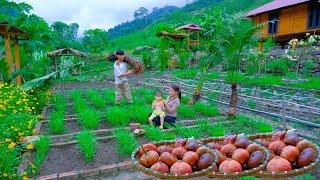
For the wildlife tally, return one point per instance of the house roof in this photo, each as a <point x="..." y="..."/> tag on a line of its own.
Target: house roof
<point x="14" y="31"/>
<point x="66" y="52"/>
<point x="190" y="27"/>
<point x="273" y="5"/>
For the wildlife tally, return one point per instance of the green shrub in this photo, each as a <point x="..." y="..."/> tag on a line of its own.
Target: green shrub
<point x="9" y="160"/>
<point x="278" y="66"/>
<point x="155" y="134"/>
<point x="126" y="142"/>
<point x="185" y="111"/>
<point x="56" y="122"/>
<point x="87" y="144"/>
<point x="183" y="59"/>
<point x="118" y="116"/>
<point x="206" y="110"/>
<point x="217" y="130"/>
<point x="146" y="59"/>
<point x="96" y="99"/>
<point x="42" y="146"/>
<point x="89" y="119"/>
<point x="252" y="103"/>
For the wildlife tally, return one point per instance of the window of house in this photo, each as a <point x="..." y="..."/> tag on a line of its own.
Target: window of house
<point x="314" y="15"/>
<point x="273" y="23"/>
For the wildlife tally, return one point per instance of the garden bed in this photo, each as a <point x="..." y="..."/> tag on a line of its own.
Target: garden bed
<point x="66" y="158"/>
<point x="72" y="126"/>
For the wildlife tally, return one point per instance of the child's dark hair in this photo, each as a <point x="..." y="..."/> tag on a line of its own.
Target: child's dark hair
<point x="177" y="89"/>
<point x="119" y="52"/>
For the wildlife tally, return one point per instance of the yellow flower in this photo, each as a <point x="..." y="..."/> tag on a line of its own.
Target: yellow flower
<point x="30" y="146"/>
<point x="18" y="102"/>
<point x="5" y="174"/>
<point x="25" y="178"/>
<point x="8" y="140"/>
<point x="11" y="145"/>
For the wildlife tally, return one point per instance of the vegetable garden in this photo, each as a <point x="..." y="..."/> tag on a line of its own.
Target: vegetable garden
<point x="244" y="113"/>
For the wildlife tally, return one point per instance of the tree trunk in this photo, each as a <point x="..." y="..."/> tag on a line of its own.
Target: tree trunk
<point x="233" y="101"/>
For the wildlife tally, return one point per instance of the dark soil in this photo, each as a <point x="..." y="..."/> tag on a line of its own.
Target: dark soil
<point x="69" y="158"/>
<point x="72" y="127"/>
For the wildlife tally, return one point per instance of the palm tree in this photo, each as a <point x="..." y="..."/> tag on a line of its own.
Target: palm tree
<point x="228" y="37"/>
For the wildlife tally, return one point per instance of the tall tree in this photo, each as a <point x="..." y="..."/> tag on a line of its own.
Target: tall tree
<point x="141" y="13"/>
<point x="96" y="40"/>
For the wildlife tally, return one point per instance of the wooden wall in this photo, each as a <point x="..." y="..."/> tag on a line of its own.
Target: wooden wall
<point x="292" y="20"/>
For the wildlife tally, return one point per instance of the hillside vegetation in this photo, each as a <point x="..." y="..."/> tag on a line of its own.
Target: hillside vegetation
<point x="191" y="13"/>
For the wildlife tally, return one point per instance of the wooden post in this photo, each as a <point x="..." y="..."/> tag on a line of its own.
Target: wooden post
<point x="8" y="49"/>
<point x="260" y="46"/>
<point x="283" y="114"/>
<point x="17" y="59"/>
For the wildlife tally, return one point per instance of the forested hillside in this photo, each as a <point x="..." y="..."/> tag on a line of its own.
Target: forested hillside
<point x="191" y="13"/>
<point x="140" y="23"/>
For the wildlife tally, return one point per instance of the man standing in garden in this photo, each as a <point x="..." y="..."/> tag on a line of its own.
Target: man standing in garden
<point x="121" y="81"/>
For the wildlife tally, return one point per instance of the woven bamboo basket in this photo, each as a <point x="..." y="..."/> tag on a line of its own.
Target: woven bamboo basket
<point x="247" y="172"/>
<point x="286" y="174"/>
<point x="138" y="166"/>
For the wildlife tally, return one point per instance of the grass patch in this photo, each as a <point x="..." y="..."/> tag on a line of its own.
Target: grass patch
<point x="59" y="102"/>
<point x="140" y="113"/>
<point x="56" y="122"/>
<point x="109" y="96"/>
<point x="42" y="146"/>
<point x="203" y="125"/>
<point x="216" y="130"/>
<point x="250" y="125"/>
<point x="96" y="99"/>
<point x="206" y="110"/>
<point x="184" y="100"/>
<point x="155" y="134"/>
<point x="126" y="142"/>
<point x="87" y="145"/>
<point x="186" y="74"/>
<point x="212" y="75"/>
<point x="118" y="116"/>
<point x="187" y="112"/>
<point x="185" y="132"/>
<point x="89" y="118"/>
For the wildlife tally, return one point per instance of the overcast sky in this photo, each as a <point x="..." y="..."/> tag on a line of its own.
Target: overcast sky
<point x="89" y="14"/>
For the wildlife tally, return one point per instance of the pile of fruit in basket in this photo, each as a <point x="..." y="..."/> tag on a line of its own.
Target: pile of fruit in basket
<point x="288" y="151"/>
<point x="180" y="157"/>
<point x="236" y="153"/>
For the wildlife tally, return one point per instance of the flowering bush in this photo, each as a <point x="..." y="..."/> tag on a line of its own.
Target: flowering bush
<point x="13" y="100"/>
<point x="17" y="120"/>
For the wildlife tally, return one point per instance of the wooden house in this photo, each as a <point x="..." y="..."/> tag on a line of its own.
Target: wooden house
<point x="288" y="19"/>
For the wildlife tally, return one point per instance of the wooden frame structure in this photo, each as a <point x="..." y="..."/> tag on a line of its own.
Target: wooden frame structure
<point x="54" y="55"/>
<point x="192" y="28"/>
<point x="10" y="33"/>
